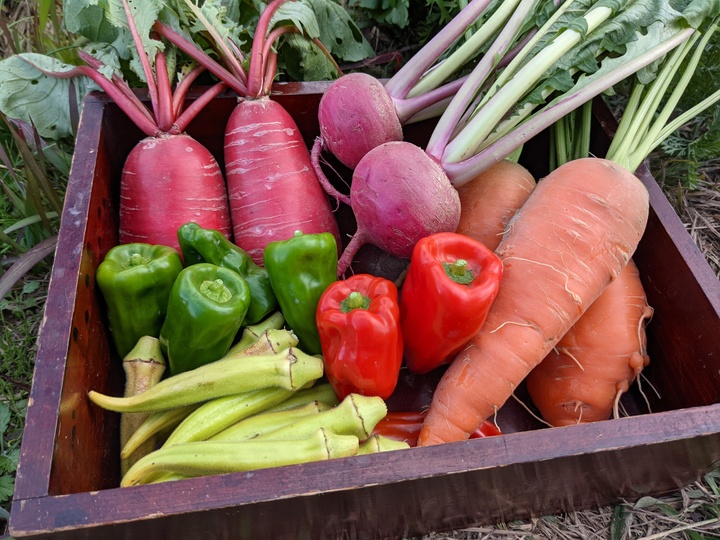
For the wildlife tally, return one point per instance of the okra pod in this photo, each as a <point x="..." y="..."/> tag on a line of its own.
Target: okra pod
<point x="266" y="422"/>
<point x="144" y="366"/>
<point x="356" y="415"/>
<point x="380" y="443"/>
<point x="322" y="392"/>
<point x="208" y="458"/>
<point x="290" y="369"/>
<point x="156" y="423"/>
<point x="218" y="414"/>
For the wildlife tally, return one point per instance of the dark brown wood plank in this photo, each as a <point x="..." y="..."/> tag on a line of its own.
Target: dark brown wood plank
<point x="403" y="493"/>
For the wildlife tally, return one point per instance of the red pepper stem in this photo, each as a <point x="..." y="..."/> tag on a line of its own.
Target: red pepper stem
<point x="459" y="272"/>
<point x="355" y="300"/>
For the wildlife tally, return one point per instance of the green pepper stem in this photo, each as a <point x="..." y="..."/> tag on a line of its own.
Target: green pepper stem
<point x="137" y="259"/>
<point x="216" y="290"/>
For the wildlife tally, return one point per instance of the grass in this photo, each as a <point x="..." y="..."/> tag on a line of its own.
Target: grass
<point x="32" y="179"/>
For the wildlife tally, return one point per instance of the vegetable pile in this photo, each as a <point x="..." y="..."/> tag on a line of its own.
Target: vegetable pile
<point x="267" y="347"/>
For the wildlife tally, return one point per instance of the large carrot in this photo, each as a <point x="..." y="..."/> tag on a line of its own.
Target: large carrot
<point x="583" y="377"/>
<point x="567" y="243"/>
<point x="489" y="201"/>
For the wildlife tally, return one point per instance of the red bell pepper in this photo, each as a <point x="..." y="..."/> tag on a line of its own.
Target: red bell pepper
<point x="358" y="320"/>
<point x="451" y="283"/>
<point x="405" y="426"/>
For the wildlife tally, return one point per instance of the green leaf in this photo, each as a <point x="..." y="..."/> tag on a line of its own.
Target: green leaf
<point x="7" y="487"/>
<point x="304" y="61"/>
<point x="4" y="417"/>
<point x="144" y="14"/>
<point x="339" y="33"/>
<point x="29" y="95"/>
<point x="298" y="14"/>
<point x="619" y="522"/>
<point x="87" y="18"/>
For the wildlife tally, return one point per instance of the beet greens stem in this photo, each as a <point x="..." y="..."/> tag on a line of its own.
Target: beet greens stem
<point x="182" y="88"/>
<point x="482" y="124"/>
<point x="165" y="108"/>
<point x="468" y="49"/>
<point x="403" y="81"/>
<point x="191" y="112"/>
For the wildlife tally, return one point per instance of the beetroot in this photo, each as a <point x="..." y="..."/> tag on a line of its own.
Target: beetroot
<point x="357" y="114"/>
<point x="399" y="195"/>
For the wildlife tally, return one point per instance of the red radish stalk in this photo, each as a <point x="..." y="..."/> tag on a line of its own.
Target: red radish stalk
<point x="272" y="187"/>
<point x="168" y="178"/>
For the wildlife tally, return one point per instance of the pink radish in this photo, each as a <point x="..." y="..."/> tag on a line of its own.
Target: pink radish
<point x="273" y="189"/>
<point x="168" y="178"/>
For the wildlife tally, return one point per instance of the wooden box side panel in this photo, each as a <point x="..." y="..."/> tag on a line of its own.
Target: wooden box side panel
<point x="57" y="409"/>
<point x="404" y="493"/>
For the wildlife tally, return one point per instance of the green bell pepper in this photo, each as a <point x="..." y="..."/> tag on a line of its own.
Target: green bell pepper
<point x="206" y="309"/>
<point x="135" y="281"/>
<point x="300" y="270"/>
<point x="207" y="245"/>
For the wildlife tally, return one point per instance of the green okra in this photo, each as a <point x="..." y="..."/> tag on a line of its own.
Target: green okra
<point x="218" y="414"/>
<point x="270" y="341"/>
<point x="322" y="392"/>
<point x="144" y="367"/>
<point x="156" y="422"/>
<point x="355" y="415"/>
<point x="380" y="443"/>
<point x="266" y="422"/>
<point x="207" y="458"/>
<point x="252" y="333"/>
<point x="290" y="369"/>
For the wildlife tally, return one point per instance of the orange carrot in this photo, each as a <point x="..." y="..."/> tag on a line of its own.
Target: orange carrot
<point x="488" y="201"/>
<point x="568" y="242"/>
<point x="583" y="377"/>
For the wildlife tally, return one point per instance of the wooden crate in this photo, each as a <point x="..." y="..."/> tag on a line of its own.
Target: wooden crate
<point x="68" y="470"/>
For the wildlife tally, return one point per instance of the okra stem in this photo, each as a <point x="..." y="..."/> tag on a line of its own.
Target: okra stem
<point x="290" y="369"/>
<point x="207" y="458"/>
<point x="144" y="366"/>
<point x="270" y="341"/>
<point x="252" y="333"/>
